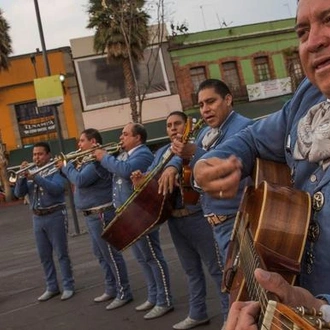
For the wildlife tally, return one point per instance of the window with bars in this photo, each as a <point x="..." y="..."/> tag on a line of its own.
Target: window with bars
<point x="231" y="76"/>
<point x="261" y="64"/>
<point x="295" y="68"/>
<point x="197" y="75"/>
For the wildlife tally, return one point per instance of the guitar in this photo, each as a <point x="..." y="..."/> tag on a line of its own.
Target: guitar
<point x="270" y="232"/>
<point x="190" y="195"/>
<point x="151" y="208"/>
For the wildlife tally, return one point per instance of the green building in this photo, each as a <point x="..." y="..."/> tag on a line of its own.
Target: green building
<point x="259" y="62"/>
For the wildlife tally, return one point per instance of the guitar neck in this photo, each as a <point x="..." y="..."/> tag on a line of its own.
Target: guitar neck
<point x="250" y="260"/>
<point x="168" y="155"/>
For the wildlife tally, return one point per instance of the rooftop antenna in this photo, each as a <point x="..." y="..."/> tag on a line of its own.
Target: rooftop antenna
<point x="201" y="7"/>
<point x="286" y="4"/>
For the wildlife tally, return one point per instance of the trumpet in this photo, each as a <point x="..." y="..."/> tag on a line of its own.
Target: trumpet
<point x="11" y="169"/>
<point x="47" y="169"/>
<point x="30" y="169"/>
<point x="78" y="156"/>
<point x="15" y="174"/>
<point x="81" y="157"/>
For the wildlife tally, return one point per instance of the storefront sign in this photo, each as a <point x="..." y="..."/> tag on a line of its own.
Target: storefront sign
<point x="268" y="89"/>
<point x="42" y="126"/>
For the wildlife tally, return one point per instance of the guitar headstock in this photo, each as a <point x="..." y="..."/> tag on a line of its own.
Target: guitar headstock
<point x="282" y="316"/>
<point x="191" y="128"/>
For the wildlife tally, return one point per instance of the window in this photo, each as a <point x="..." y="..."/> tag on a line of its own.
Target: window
<point x="231" y="77"/>
<point x="102" y="84"/>
<point x="35" y="123"/>
<point x="262" y="68"/>
<point x="295" y="71"/>
<point x="197" y="76"/>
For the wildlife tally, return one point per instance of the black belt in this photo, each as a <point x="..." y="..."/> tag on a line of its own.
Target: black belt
<point x="180" y="213"/>
<point x="48" y="211"/>
<point x="97" y="211"/>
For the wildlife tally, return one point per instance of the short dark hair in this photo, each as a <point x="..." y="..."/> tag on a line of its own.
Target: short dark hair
<point x="218" y="85"/>
<point x="178" y="113"/>
<point x="44" y="145"/>
<point x="92" y="133"/>
<point x="139" y="129"/>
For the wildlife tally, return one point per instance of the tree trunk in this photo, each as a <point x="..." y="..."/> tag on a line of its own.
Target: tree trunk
<point x="4" y="181"/>
<point x="130" y="90"/>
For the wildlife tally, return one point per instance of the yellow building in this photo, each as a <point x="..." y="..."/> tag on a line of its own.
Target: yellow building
<point x="22" y="123"/>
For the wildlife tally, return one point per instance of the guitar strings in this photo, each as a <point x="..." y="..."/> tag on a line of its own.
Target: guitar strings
<point x="249" y="262"/>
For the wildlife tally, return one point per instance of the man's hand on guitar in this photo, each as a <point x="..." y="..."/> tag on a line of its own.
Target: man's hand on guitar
<point x="137" y="178"/>
<point x="168" y="180"/>
<point x="218" y="177"/>
<point x="244" y="315"/>
<point x="182" y="149"/>
<point x="289" y="295"/>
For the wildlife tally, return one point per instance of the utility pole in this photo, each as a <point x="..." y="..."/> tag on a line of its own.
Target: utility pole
<point x="55" y="112"/>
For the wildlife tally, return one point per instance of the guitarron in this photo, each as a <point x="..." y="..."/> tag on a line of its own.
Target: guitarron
<point x="145" y="209"/>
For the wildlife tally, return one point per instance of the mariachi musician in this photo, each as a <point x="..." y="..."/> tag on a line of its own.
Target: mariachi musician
<point x="192" y="235"/>
<point x="216" y="108"/>
<point x="147" y="251"/>
<point x="46" y="193"/>
<point x="93" y="196"/>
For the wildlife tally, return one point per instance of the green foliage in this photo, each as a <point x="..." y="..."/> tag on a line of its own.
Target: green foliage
<point x="5" y="42"/>
<point x="120" y="27"/>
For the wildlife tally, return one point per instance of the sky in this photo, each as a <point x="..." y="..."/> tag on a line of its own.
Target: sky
<point x="63" y="20"/>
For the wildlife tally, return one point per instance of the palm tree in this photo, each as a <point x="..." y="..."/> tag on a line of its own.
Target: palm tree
<point x="5" y="50"/>
<point x="5" y="42"/>
<point x="121" y="31"/>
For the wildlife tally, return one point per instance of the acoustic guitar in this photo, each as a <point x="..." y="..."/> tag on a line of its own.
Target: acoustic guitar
<point x="270" y="232"/>
<point x="145" y="209"/>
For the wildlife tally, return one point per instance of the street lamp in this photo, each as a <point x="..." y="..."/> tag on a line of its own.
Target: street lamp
<point x="55" y="113"/>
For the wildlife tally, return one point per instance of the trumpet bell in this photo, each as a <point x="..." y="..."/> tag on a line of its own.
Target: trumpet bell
<point x="14" y="175"/>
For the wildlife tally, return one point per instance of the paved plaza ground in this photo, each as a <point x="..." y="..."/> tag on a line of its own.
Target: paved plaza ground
<point x="21" y="282"/>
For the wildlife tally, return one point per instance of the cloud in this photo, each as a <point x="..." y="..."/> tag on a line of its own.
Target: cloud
<point x="63" y="20"/>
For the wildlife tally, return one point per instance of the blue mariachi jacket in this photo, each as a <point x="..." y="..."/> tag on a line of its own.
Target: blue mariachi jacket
<point x="139" y="159"/>
<point x="93" y="184"/>
<point x="43" y="192"/>
<point x="176" y="162"/>
<point x="231" y="126"/>
<point x="274" y="139"/>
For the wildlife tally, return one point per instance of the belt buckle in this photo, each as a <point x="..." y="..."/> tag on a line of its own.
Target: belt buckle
<point x="37" y="212"/>
<point x="216" y="219"/>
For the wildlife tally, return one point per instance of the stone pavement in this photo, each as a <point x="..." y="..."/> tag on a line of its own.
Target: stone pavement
<point x="21" y="282"/>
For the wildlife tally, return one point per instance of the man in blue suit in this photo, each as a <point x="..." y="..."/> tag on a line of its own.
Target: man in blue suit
<point x="191" y="234"/>
<point x="147" y="251"/>
<point x="216" y="108"/>
<point x="93" y="196"/>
